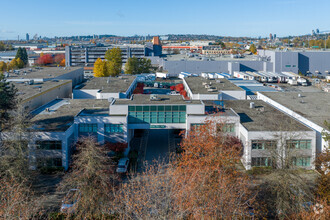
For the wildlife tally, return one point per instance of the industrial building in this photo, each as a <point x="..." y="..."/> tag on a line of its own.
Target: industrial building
<point x="310" y="108"/>
<point x="39" y="86"/>
<point x="306" y="62"/>
<point x="108" y="110"/>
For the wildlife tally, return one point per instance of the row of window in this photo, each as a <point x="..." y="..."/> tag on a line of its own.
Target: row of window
<point x="271" y="144"/>
<point x="157" y="108"/>
<point x="156" y="117"/>
<point x="263" y="144"/>
<point x="108" y="128"/>
<point x="49" y="145"/>
<point x="268" y="162"/>
<point x="49" y="162"/>
<point x="299" y="144"/>
<point x="220" y="127"/>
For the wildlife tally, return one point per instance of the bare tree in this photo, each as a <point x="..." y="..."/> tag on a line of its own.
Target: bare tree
<point x="148" y="195"/>
<point x="285" y="192"/>
<point x="92" y="174"/>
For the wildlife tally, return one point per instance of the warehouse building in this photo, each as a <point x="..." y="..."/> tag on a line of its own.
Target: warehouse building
<point x="121" y="87"/>
<point x="199" y="88"/>
<point x="310" y="108"/>
<point x="267" y="133"/>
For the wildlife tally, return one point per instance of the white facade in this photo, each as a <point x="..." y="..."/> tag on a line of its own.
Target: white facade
<point x="321" y="144"/>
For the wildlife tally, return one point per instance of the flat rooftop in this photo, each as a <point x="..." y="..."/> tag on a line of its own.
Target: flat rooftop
<point x="61" y="112"/>
<point x="139" y="99"/>
<point x="26" y="91"/>
<point x="197" y="87"/>
<point x="263" y="117"/>
<point x="42" y="72"/>
<point x="108" y="85"/>
<point x="314" y="106"/>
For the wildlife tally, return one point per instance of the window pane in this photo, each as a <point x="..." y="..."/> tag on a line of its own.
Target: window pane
<point x="131" y="108"/>
<point x="168" y="108"/>
<point x="175" y="108"/>
<point x="153" y="108"/>
<point x="139" y="108"/>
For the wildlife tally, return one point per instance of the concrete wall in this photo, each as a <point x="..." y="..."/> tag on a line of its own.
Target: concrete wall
<point x="281" y="138"/>
<point x="314" y="61"/>
<point x="227" y="66"/>
<point x="44" y="97"/>
<point x="234" y="95"/>
<point x="100" y="121"/>
<point x="77" y="76"/>
<point x="85" y="93"/>
<point x="304" y="61"/>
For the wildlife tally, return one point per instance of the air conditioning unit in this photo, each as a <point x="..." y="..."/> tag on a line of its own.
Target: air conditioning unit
<point x="154" y="97"/>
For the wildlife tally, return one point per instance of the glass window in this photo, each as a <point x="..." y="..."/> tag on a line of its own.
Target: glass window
<point x="157" y="114"/>
<point x="226" y="127"/>
<point x="261" y="162"/>
<point x="263" y="144"/>
<point x="131" y="108"/>
<point x="299" y="144"/>
<point x="153" y="108"/>
<point x="49" y="145"/>
<point x="87" y="128"/>
<point x="113" y="128"/>
<point x="302" y="161"/>
<point x="49" y="162"/>
<point x="168" y="108"/>
<point x="175" y="108"/>
<point x="196" y="126"/>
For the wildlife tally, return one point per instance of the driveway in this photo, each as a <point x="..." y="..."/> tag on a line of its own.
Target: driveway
<point x="158" y="145"/>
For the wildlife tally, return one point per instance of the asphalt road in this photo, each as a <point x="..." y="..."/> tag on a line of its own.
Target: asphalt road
<point x="158" y="145"/>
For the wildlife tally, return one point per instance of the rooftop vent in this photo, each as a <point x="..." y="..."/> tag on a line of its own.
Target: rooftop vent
<point x="154" y="97"/>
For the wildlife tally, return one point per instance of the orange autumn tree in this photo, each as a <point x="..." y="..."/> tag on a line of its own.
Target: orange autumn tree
<point x="207" y="181"/>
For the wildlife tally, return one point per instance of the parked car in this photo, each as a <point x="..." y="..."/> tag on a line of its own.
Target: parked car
<point x="71" y="198"/>
<point x="123" y="165"/>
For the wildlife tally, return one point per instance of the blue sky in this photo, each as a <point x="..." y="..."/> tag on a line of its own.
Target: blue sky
<point x="156" y="17"/>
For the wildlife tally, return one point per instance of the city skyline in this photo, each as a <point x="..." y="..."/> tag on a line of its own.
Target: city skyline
<point x="126" y="18"/>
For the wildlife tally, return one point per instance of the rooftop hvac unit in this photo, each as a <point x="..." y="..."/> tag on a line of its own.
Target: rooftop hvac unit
<point x="251" y="104"/>
<point x="31" y="82"/>
<point x="154" y="97"/>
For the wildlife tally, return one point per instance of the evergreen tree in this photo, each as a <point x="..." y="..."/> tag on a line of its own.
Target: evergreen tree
<point x="25" y="57"/>
<point x="7" y="100"/>
<point x="22" y="54"/>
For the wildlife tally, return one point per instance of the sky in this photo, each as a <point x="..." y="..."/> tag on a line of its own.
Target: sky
<point x="251" y="18"/>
